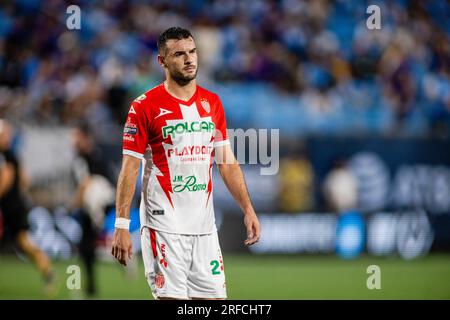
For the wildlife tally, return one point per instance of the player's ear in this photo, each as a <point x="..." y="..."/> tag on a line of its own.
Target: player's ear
<point x="161" y="61"/>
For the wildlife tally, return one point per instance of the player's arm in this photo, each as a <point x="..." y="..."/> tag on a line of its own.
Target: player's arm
<point x="233" y="178"/>
<point x="122" y="247"/>
<point x="135" y="141"/>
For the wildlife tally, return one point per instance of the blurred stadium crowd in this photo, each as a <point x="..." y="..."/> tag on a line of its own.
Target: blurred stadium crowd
<point x="310" y="66"/>
<point x="352" y="105"/>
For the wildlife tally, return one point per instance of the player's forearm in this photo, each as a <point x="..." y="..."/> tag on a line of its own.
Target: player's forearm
<point x="125" y="189"/>
<point x="234" y="180"/>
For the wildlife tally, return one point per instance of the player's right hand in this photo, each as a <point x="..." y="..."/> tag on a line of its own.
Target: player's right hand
<point x="122" y="246"/>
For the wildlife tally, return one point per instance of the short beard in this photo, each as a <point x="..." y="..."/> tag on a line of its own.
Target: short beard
<point x="182" y="80"/>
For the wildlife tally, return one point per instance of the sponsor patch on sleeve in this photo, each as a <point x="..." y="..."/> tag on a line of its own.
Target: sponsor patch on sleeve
<point x="130" y="130"/>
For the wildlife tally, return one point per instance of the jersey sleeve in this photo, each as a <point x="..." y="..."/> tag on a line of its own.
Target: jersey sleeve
<point x="221" y="134"/>
<point x="135" y="132"/>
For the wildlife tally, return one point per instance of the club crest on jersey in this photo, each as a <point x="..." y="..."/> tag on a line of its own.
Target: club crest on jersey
<point x="159" y="280"/>
<point x="205" y="105"/>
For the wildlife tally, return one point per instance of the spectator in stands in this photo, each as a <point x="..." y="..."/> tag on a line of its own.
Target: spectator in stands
<point x="316" y="50"/>
<point x="296" y="184"/>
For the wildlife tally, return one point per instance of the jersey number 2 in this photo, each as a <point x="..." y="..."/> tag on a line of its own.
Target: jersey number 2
<point x="215" y="265"/>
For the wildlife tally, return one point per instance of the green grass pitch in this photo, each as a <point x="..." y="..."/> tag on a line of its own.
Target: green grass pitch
<point x="257" y="277"/>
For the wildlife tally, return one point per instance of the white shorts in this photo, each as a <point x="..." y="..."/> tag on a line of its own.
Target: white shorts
<point x="183" y="266"/>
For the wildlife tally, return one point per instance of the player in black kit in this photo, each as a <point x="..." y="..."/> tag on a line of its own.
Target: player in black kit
<point x="14" y="207"/>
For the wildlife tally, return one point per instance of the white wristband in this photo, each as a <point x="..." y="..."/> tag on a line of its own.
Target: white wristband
<point x="122" y="223"/>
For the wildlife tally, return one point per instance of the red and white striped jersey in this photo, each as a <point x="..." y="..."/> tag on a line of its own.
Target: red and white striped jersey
<point x="176" y="140"/>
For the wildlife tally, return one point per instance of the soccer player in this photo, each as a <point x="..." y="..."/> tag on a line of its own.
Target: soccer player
<point x="177" y="129"/>
<point x="89" y="172"/>
<point x="14" y="207"/>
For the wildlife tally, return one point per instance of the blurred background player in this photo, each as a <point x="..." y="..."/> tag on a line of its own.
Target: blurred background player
<point x="93" y="197"/>
<point x="14" y="206"/>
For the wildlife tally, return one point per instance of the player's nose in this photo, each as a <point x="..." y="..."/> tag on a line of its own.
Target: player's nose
<point x="189" y="59"/>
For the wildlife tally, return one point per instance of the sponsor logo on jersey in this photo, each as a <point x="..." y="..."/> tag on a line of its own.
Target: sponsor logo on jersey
<point x="189" y="151"/>
<point x="188" y="127"/>
<point x="159" y="280"/>
<point x="163" y="112"/>
<point x="158" y="212"/>
<point x="188" y="183"/>
<point x="130" y="130"/>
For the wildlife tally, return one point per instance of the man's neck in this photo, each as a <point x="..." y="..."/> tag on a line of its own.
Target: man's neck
<point x="181" y="92"/>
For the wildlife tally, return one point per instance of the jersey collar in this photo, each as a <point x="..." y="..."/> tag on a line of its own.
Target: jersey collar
<point x="186" y="103"/>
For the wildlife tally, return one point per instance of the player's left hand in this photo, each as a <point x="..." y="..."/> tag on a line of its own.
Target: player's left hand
<point x="253" y="229"/>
